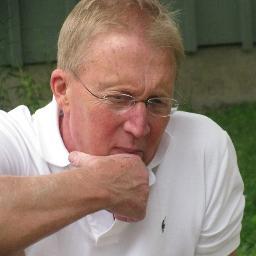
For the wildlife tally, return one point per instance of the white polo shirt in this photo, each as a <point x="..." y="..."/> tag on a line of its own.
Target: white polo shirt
<point x="196" y="197"/>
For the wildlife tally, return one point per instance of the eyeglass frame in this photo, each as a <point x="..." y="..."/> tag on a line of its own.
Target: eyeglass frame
<point x="132" y="101"/>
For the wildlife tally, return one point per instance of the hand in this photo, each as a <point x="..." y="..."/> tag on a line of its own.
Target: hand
<point x="123" y="176"/>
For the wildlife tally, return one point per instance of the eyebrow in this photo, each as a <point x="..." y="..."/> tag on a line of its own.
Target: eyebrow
<point x="125" y="87"/>
<point x="118" y="86"/>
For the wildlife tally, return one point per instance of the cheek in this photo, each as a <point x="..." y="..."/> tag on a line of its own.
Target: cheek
<point x="94" y="129"/>
<point x="158" y="129"/>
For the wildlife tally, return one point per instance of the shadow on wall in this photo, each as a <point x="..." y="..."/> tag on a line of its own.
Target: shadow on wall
<point x="217" y="76"/>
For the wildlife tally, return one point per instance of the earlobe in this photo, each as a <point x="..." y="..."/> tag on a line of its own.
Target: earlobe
<point x="59" y="87"/>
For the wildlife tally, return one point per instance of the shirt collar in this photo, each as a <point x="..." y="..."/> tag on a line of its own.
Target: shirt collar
<point x="158" y="157"/>
<point x="160" y="153"/>
<point x="46" y="124"/>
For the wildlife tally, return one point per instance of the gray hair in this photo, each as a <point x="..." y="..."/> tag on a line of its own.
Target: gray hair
<point x="91" y="17"/>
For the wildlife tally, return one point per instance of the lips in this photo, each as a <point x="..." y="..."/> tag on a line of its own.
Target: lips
<point x="122" y="150"/>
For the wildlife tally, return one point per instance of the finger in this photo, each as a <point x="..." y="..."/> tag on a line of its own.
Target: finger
<point x="78" y="159"/>
<point x="125" y="219"/>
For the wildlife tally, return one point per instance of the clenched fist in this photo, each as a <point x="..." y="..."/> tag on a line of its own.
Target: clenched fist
<point x="124" y="178"/>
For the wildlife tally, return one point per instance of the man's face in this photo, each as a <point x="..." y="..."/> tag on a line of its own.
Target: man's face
<point x="122" y="63"/>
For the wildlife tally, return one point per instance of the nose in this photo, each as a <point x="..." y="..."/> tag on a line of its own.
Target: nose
<point x="137" y="121"/>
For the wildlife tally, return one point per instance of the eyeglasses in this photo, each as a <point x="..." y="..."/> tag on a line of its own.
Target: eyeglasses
<point x="158" y="106"/>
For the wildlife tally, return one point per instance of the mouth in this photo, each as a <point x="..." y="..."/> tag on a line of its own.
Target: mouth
<point x="122" y="150"/>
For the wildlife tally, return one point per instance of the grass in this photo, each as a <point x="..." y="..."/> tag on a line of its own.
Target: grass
<point x="240" y="122"/>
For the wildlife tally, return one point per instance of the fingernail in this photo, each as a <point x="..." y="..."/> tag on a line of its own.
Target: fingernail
<point x="74" y="158"/>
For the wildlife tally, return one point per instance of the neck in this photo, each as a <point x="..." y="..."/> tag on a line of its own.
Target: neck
<point x="65" y="133"/>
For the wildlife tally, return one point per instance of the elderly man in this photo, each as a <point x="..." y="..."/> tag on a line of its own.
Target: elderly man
<point x="109" y="167"/>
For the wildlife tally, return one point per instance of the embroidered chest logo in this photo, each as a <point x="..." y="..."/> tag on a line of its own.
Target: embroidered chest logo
<point x="163" y="225"/>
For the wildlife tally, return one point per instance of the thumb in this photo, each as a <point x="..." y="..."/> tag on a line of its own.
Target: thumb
<point x="77" y="158"/>
<point x="124" y="219"/>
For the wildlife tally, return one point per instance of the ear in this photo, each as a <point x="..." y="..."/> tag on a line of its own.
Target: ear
<point x="59" y="87"/>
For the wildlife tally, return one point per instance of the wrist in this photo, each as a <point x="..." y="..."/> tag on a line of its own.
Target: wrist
<point x="91" y="190"/>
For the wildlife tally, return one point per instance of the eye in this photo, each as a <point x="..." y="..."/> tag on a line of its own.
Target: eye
<point x="119" y="99"/>
<point x="160" y="102"/>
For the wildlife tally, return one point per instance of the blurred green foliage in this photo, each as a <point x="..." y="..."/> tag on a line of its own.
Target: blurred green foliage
<point x="18" y="87"/>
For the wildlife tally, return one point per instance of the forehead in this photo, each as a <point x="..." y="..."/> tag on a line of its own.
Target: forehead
<point x="125" y="44"/>
<point x="128" y="58"/>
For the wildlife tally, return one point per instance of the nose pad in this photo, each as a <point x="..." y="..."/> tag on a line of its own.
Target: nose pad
<point x="137" y="121"/>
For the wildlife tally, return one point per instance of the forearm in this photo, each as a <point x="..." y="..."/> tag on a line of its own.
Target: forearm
<point x="34" y="207"/>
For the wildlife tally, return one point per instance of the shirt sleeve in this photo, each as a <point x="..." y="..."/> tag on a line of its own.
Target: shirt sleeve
<point x="224" y="201"/>
<point x="12" y="148"/>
